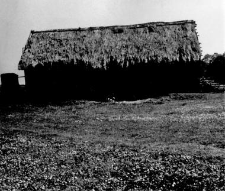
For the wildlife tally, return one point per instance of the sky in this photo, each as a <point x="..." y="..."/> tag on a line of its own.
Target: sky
<point x="19" y="17"/>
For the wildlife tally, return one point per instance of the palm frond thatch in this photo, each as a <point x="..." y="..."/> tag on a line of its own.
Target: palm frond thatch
<point x="97" y="46"/>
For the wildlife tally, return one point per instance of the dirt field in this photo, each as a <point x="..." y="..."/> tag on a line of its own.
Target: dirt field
<point x="175" y="142"/>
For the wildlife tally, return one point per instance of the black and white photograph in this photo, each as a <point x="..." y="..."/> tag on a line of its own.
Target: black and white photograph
<point x="112" y="95"/>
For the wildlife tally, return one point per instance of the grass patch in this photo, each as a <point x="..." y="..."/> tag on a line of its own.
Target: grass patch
<point x="84" y="145"/>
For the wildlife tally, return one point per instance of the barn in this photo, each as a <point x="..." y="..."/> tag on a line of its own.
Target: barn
<point x="127" y="62"/>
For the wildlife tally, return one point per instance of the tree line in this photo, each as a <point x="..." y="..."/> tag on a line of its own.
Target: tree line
<point x="214" y="67"/>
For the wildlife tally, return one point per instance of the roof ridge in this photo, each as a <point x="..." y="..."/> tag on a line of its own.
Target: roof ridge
<point x="116" y="26"/>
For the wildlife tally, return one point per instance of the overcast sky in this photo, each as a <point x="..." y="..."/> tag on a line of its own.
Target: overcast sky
<point x="18" y="17"/>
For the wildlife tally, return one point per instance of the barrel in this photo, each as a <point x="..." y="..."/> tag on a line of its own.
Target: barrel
<point x="9" y="81"/>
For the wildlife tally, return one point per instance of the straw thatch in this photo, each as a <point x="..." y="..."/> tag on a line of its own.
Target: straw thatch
<point x="98" y="46"/>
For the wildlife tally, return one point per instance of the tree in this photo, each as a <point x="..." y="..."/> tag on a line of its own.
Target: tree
<point x="216" y="69"/>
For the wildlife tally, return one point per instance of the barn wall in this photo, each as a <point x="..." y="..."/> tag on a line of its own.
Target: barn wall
<point x="136" y="81"/>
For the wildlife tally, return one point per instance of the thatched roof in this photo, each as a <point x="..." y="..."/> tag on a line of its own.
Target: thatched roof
<point x="98" y="45"/>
